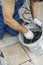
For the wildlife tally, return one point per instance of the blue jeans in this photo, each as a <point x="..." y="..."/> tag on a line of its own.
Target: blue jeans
<point x="16" y="16"/>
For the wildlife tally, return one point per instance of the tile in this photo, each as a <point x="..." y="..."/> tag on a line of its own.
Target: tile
<point x="26" y="63"/>
<point x="9" y="40"/>
<point x="14" y="54"/>
<point x="36" y="59"/>
<point x="2" y="43"/>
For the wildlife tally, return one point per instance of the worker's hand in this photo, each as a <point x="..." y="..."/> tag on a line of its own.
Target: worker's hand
<point x="36" y="21"/>
<point x="29" y="34"/>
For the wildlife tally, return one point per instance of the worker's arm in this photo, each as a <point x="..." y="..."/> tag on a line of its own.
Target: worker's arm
<point x="34" y="8"/>
<point x="8" y="10"/>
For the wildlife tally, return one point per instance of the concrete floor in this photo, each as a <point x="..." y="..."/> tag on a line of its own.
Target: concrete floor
<point x="16" y="54"/>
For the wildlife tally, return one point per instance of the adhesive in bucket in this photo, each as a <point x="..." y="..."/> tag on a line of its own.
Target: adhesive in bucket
<point x="37" y="34"/>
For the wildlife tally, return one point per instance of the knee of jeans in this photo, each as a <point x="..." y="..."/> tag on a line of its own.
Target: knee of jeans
<point x="11" y="31"/>
<point x="2" y="24"/>
<point x="1" y="31"/>
<point x="14" y="33"/>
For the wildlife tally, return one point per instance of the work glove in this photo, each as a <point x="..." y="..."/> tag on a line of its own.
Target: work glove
<point x="36" y="21"/>
<point x="29" y="34"/>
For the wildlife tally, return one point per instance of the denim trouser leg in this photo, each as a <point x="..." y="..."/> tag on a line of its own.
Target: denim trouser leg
<point x="16" y="16"/>
<point x="2" y="25"/>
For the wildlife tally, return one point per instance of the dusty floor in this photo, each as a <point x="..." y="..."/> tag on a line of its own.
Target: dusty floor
<point x="16" y="54"/>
